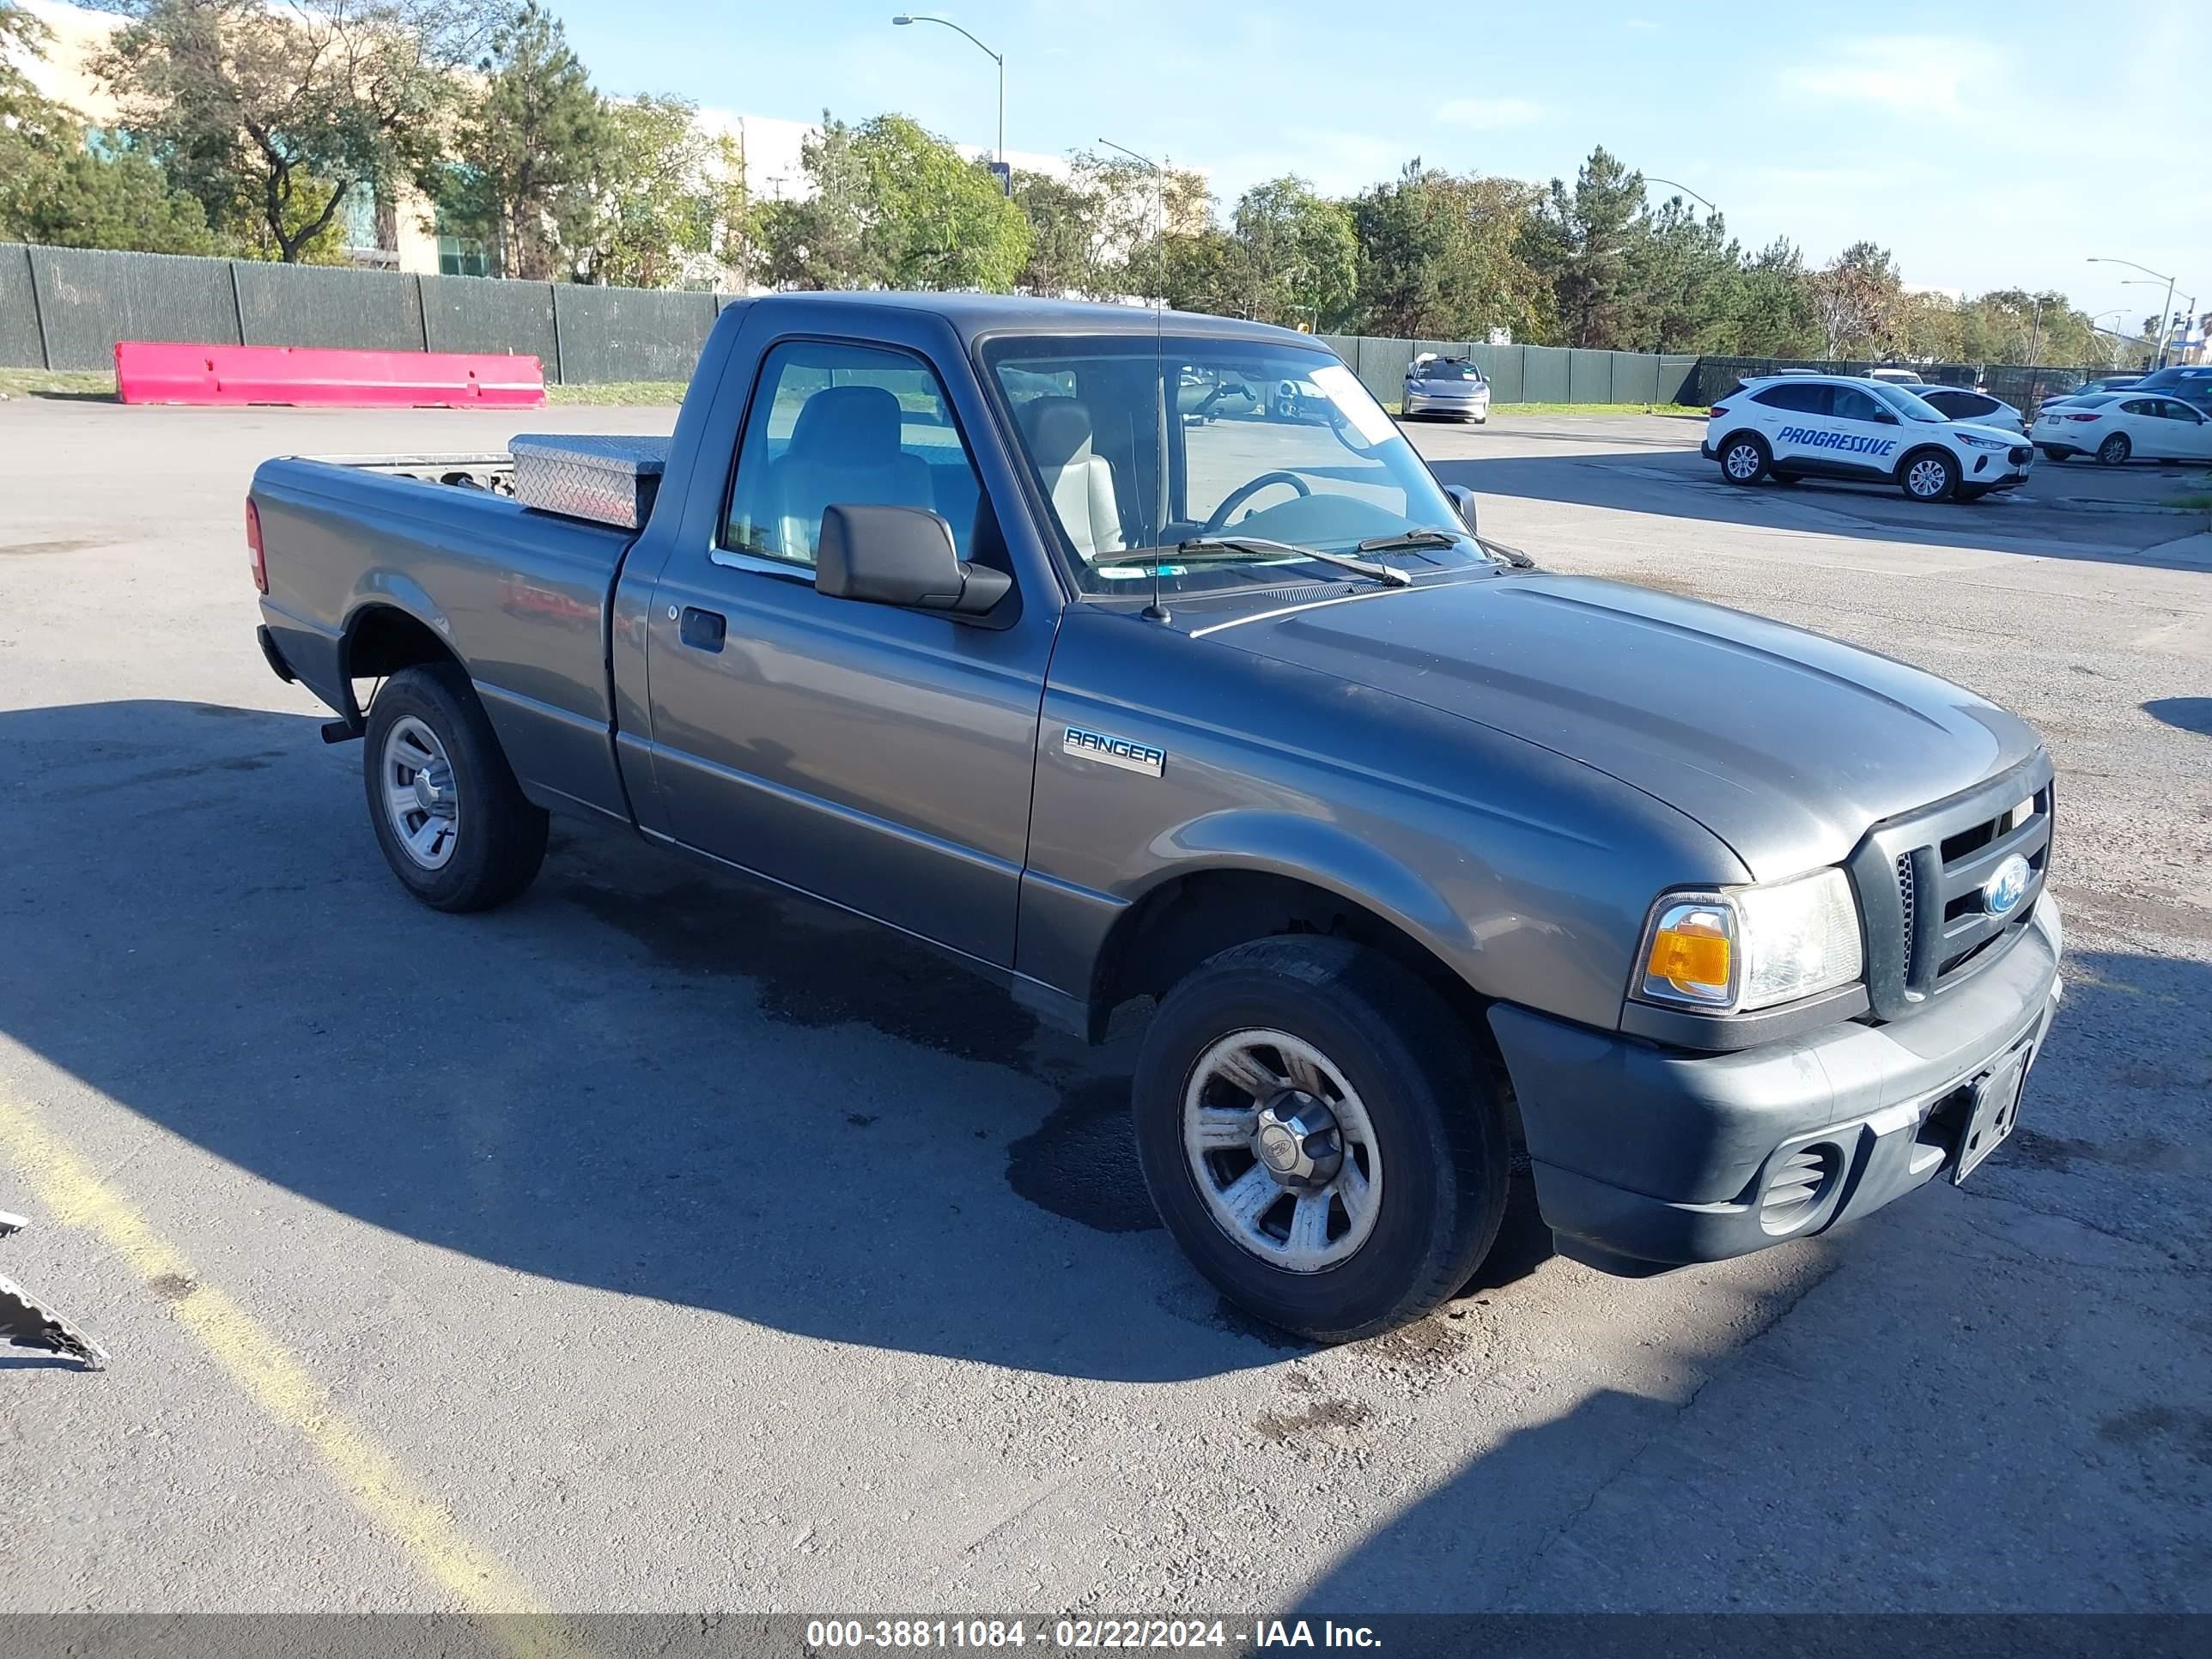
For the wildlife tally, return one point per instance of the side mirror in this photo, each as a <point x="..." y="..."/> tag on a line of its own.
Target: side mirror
<point x="901" y="556"/>
<point x="1463" y="499"/>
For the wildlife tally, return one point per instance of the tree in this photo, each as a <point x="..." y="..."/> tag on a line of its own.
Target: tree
<point x="940" y="220"/>
<point x="1301" y="255"/>
<point x="894" y="206"/>
<point x="663" y="205"/>
<point x="274" y="115"/>
<point x="1854" y="298"/>
<point x="1596" y="238"/>
<point x="526" y="148"/>
<point x="1063" y="220"/>
<point x="56" y="190"/>
<point x="1443" y="256"/>
<point x="1775" y="315"/>
<point x="1203" y="271"/>
<point x="1689" y="278"/>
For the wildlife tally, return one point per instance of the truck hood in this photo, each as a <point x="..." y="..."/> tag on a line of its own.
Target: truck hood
<point x="1786" y="745"/>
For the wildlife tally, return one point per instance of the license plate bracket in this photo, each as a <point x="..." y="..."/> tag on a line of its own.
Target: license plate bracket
<point x="1997" y="1111"/>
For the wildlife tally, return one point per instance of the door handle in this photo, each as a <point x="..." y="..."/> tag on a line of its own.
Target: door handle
<point x="703" y="630"/>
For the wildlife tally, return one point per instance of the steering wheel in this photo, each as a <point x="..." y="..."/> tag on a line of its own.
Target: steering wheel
<point x="1218" y="519"/>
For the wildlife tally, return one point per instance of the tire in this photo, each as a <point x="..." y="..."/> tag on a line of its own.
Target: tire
<point x="2115" y="450"/>
<point x="1414" y="1119"/>
<point x="497" y="841"/>
<point x="2056" y="456"/>
<point x="1928" y="475"/>
<point x="1744" y="459"/>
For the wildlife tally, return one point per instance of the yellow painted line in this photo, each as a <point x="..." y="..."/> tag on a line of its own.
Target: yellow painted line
<point x="287" y="1394"/>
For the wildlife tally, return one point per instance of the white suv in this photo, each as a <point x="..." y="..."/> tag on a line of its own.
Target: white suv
<point x="1834" y="426"/>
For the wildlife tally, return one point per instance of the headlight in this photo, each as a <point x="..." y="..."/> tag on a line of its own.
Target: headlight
<point x="1740" y="948"/>
<point x="1973" y="443"/>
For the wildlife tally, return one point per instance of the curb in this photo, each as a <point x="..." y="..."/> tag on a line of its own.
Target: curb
<point x="2082" y="504"/>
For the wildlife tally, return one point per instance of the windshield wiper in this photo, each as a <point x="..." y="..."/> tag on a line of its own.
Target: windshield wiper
<point x="1409" y="538"/>
<point x="1224" y="549"/>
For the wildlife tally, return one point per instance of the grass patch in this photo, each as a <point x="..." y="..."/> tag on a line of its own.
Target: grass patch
<point x="57" y="383"/>
<point x="619" y="391"/>
<point x="2198" y="498"/>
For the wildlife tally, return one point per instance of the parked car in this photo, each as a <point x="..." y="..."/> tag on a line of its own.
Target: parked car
<point x="1857" y="430"/>
<point x="2117" y="426"/>
<point x="2103" y="383"/>
<point x="1426" y="859"/>
<point x="2191" y="382"/>
<point x="1451" y="386"/>
<point x="1896" y="376"/>
<point x="1956" y="402"/>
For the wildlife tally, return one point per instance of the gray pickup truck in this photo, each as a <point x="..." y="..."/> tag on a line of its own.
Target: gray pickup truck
<point x="1051" y="634"/>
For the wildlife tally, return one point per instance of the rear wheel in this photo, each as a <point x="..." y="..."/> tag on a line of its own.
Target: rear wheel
<point x="2115" y="450"/>
<point x="1316" y="1134"/>
<point x="1931" y="476"/>
<point x="454" y="825"/>
<point x="1744" y="459"/>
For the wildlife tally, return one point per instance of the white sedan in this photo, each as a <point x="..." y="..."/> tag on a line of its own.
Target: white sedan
<point x="1964" y="404"/>
<point x="2123" y="426"/>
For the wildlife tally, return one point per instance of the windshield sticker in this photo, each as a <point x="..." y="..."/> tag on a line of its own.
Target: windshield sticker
<point x="1131" y="573"/>
<point x="1354" y="401"/>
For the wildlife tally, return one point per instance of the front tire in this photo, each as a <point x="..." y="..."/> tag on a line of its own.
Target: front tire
<point x="454" y="825"/>
<point x="2115" y="450"/>
<point x="2056" y="456"/>
<point x="1318" y="1137"/>
<point x="1744" y="459"/>
<point x="1931" y="476"/>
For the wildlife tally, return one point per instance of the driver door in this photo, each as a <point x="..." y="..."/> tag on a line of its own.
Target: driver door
<point x="878" y="757"/>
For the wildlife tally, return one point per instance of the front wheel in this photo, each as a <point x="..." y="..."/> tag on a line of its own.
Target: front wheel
<point x="2115" y="450"/>
<point x="1931" y="476"/>
<point x="1744" y="460"/>
<point x="2056" y="456"/>
<point x="454" y="825"/>
<point x="1317" y="1135"/>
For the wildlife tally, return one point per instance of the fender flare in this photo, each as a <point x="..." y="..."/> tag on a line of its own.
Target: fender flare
<point x="384" y="589"/>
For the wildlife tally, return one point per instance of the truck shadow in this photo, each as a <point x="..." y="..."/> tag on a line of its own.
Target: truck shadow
<point x="643" y="1076"/>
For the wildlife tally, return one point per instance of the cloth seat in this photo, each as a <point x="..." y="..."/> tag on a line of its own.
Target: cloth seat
<point x="844" y="450"/>
<point x="1079" y="483"/>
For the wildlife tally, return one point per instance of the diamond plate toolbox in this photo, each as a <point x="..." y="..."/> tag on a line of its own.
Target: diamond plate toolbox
<point x="611" y="480"/>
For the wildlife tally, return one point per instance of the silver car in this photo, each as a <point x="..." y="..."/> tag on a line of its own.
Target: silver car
<point x="1446" y="385"/>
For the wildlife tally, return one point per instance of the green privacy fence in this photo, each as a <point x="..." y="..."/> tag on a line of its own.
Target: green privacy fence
<point x="1526" y="373"/>
<point x="65" y="309"/>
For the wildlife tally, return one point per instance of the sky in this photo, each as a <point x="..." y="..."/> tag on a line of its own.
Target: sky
<point x="1987" y="144"/>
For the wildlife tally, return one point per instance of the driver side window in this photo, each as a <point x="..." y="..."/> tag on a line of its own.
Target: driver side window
<point x="841" y="425"/>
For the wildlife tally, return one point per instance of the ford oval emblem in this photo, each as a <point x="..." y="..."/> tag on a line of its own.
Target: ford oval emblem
<point x="2006" y="887"/>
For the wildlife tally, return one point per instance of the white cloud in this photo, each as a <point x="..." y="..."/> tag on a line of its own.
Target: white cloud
<point x="1926" y="74"/>
<point x="1489" y="114"/>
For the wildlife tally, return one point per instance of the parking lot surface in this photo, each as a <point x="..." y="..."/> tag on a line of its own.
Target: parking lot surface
<point x="657" y="1243"/>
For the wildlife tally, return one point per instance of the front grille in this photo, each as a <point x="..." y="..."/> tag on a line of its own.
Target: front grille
<point x="1797" y="1186"/>
<point x="2019" y="455"/>
<point x="1922" y="880"/>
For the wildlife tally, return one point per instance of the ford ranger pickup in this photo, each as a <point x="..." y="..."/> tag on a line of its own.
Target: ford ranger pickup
<point x="1048" y="635"/>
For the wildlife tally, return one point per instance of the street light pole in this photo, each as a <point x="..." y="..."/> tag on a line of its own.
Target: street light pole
<point x="2165" y="317"/>
<point x="905" y="18"/>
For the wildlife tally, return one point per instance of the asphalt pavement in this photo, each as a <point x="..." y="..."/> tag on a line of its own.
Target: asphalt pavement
<point x="655" y="1243"/>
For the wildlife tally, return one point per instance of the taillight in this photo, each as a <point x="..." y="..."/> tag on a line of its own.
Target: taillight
<point x="254" y="545"/>
<point x="2081" y="417"/>
<point x="1717" y="411"/>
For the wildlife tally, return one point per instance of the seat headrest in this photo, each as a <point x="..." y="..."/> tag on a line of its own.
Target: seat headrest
<point x="852" y="425"/>
<point x="1059" y="430"/>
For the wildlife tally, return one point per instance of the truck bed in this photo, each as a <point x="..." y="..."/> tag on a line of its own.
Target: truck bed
<point x="522" y="597"/>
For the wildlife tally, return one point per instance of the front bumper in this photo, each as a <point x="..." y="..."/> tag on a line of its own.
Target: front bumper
<point x="1464" y="408"/>
<point x="1647" y="1157"/>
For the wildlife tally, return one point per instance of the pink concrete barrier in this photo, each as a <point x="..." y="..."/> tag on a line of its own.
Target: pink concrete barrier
<point x="148" y="371"/>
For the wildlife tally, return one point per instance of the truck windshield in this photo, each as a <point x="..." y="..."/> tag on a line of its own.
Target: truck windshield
<point x="1141" y="446"/>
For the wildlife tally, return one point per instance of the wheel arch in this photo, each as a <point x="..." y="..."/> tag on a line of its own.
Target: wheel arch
<point x="394" y="624"/>
<point x="1752" y="432"/>
<point x="1198" y="910"/>
<point x="1904" y="462"/>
